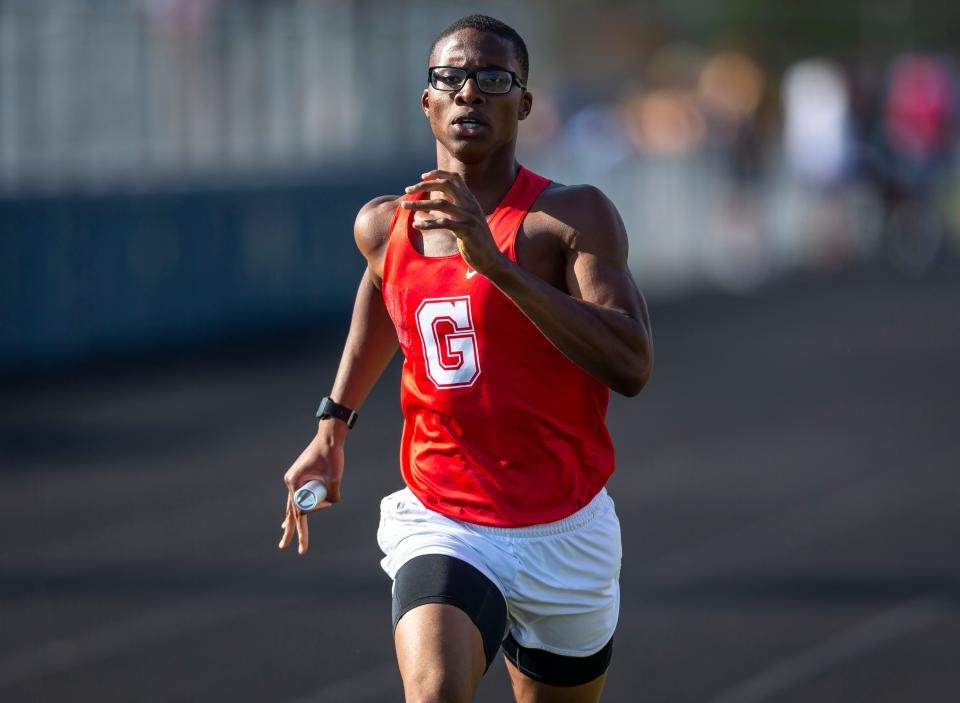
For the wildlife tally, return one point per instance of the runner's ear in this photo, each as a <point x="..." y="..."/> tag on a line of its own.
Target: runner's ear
<point x="526" y="104"/>
<point x="425" y="103"/>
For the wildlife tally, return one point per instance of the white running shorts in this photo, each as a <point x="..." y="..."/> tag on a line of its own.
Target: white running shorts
<point x="560" y="579"/>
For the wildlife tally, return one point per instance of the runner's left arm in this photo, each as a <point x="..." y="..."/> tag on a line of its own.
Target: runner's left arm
<point x="602" y="324"/>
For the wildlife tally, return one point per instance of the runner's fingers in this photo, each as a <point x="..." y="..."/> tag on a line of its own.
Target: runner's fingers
<point x="440" y="174"/>
<point x="438" y="204"/>
<point x="287" y="535"/>
<point x="442" y="185"/>
<point x="435" y="183"/>
<point x="286" y="515"/>
<point x="287" y="524"/>
<point x="441" y="223"/>
<point x="303" y="533"/>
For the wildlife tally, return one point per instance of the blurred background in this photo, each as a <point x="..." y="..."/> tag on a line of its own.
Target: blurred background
<point x="178" y="182"/>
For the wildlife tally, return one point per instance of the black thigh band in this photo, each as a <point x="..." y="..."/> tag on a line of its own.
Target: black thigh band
<point x="557" y="669"/>
<point x="437" y="578"/>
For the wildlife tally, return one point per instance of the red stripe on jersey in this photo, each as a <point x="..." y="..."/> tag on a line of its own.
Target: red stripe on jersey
<point x="500" y="428"/>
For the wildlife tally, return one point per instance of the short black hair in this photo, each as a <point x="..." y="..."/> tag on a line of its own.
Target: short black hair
<point x="490" y="25"/>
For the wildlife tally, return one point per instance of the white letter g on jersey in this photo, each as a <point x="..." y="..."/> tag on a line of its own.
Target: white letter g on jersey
<point x="449" y="341"/>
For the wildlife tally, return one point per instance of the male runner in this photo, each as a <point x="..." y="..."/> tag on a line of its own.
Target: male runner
<point x="512" y="302"/>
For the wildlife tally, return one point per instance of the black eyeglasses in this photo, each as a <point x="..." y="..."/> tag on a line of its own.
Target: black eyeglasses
<point x="495" y="81"/>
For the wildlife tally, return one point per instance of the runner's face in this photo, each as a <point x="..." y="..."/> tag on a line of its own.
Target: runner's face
<point x="497" y="115"/>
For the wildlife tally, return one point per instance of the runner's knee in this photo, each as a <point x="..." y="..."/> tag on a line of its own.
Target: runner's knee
<point x="436" y="692"/>
<point x="433" y="674"/>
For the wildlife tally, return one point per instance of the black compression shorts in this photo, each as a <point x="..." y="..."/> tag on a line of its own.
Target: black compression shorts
<point x="437" y="578"/>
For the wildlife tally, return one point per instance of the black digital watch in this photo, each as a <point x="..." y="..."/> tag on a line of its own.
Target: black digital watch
<point x="330" y="408"/>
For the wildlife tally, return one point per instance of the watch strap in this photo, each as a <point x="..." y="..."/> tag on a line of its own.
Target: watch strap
<point x="331" y="408"/>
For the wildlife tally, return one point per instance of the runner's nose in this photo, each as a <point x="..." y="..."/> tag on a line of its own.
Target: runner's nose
<point x="470" y="93"/>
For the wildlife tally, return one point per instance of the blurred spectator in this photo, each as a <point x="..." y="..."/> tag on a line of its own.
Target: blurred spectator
<point x="730" y="88"/>
<point x="918" y="111"/>
<point x="816" y="130"/>
<point x="910" y="156"/>
<point x="664" y="119"/>
<point x="665" y="122"/>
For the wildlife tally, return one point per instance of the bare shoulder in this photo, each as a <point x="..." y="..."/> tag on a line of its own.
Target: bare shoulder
<point x="371" y="230"/>
<point x="583" y="217"/>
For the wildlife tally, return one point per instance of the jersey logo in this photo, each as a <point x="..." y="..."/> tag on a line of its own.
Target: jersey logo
<point x="471" y="273"/>
<point x="449" y="341"/>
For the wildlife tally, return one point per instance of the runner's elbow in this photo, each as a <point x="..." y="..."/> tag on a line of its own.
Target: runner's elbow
<point x="630" y="388"/>
<point x="635" y="376"/>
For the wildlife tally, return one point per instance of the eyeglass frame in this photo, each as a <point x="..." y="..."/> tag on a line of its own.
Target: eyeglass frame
<point x="472" y="73"/>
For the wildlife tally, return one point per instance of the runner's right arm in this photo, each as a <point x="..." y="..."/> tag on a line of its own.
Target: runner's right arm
<point x="371" y="343"/>
<point x="372" y="340"/>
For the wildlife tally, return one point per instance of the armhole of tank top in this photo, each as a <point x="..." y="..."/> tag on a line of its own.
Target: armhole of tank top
<point x="512" y="244"/>
<point x="386" y="252"/>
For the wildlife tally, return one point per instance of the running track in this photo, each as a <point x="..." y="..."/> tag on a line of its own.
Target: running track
<point x="788" y="486"/>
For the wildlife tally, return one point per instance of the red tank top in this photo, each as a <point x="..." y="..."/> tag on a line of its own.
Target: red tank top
<point x="500" y="428"/>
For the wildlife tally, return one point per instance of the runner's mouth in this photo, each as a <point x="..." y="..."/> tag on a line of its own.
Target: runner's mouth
<point x="471" y="121"/>
<point x="468" y="126"/>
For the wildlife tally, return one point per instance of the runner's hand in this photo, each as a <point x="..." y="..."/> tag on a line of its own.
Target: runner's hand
<point x="460" y="213"/>
<point x="322" y="459"/>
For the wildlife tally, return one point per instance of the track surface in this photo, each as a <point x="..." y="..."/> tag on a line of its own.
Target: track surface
<point x="787" y="485"/>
